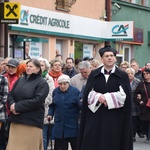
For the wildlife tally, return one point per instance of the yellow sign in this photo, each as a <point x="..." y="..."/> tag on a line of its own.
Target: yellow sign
<point x="11" y="10"/>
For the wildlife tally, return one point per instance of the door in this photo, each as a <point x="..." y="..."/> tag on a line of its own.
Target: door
<point x="127" y="53"/>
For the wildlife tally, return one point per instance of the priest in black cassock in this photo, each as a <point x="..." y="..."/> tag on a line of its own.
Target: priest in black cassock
<point x="106" y="109"/>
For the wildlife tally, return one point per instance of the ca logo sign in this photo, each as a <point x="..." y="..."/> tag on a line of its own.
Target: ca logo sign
<point x="120" y="30"/>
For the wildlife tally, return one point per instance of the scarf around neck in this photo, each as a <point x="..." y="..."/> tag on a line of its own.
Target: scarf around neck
<point x="44" y="73"/>
<point x="54" y="74"/>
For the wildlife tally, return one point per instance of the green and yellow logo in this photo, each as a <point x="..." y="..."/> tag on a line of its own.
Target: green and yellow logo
<point x="11" y="10"/>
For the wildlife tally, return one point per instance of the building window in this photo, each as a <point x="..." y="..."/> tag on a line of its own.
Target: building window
<point x="64" y="5"/>
<point x="140" y="2"/>
<point x="145" y="2"/>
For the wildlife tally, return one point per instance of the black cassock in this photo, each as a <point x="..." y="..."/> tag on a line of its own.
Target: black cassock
<point x="106" y="129"/>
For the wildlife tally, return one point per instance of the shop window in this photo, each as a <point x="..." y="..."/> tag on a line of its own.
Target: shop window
<point x="59" y="47"/>
<point x="64" y="5"/>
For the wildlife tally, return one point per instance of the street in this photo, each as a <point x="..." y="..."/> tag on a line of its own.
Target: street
<point x="140" y="144"/>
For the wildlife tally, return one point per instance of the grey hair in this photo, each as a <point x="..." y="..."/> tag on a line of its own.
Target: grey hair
<point x="56" y="60"/>
<point x="46" y="63"/>
<point x="84" y="64"/>
<point x="130" y="69"/>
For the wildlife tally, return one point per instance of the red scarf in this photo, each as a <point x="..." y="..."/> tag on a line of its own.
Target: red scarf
<point x="55" y="76"/>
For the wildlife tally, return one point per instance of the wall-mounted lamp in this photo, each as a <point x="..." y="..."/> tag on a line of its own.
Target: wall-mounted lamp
<point x="116" y="9"/>
<point x="104" y="17"/>
<point x="64" y="5"/>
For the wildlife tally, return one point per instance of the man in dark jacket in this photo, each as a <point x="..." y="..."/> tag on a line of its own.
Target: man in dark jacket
<point x="70" y="69"/>
<point x="106" y="121"/>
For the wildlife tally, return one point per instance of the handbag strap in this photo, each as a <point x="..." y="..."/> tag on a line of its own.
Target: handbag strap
<point x="145" y="90"/>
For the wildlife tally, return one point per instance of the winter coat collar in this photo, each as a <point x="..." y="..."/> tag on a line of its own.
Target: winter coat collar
<point x="32" y="76"/>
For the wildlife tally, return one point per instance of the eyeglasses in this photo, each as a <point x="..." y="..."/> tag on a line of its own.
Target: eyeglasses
<point x="146" y="73"/>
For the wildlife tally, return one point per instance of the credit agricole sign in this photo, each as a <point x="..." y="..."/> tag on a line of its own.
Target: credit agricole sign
<point x="53" y="23"/>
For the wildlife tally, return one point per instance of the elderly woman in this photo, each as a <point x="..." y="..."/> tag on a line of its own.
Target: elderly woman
<point x="135" y="107"/>
<point x="124" y="65"/>
<point x="95" y="63"/>
<point x="56" y="70"/>
<point x="45" y="66"/>
<point x="143" y="94"/>
<point x="26" y="102"/>
<point x="11" y="72"/>
<point x="65" y="110"/>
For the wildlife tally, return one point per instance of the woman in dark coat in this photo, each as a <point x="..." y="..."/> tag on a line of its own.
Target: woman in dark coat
<point x="142" y="94"/>
<point x="26" y="102"/>
<point x="135" y="107"/>
<point x="65" y="110"/>
<point x="105" y="128"/>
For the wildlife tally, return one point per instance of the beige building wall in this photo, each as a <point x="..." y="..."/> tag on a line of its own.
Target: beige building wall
<point x="86" y="8"/>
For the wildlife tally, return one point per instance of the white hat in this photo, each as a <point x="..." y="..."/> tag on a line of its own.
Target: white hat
<point x="64" y="78"/>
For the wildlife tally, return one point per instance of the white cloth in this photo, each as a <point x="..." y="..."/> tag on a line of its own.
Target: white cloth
<point x="93" y="103"/>
<point x="114" y="99"/>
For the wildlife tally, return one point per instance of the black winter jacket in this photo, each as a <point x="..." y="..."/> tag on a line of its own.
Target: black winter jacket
<point x="29" y="95"/>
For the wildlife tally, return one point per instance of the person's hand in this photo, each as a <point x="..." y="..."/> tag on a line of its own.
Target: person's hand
<point x="102" y="100"/>
<point x="49" y="118"/>
<point x="139" y="96"/>
<point x="141" y="103"/>
<point x="12" y="109"/>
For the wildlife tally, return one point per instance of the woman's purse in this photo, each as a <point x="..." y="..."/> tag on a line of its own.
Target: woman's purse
<point x="148" y="99"/>
<point x="5" y="127"/>
<point x="148" y="103"/>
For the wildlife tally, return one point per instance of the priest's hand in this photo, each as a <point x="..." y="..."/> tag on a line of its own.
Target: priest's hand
<point x="102" y="100"/>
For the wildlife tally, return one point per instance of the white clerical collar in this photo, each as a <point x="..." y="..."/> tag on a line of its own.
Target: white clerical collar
<point x="112" y="70"/>
<point x="107" y="75"/>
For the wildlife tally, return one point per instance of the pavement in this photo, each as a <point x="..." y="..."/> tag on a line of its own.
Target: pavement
<point x="140" y="144"/>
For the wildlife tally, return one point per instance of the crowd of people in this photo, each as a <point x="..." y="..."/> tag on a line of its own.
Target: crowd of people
<point x="91" y="104"/>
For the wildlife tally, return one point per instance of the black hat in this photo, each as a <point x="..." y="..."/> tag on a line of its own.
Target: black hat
<point x="13" y="62"/>
<point x="107" y="48"/>
<point x="87" y="58"/>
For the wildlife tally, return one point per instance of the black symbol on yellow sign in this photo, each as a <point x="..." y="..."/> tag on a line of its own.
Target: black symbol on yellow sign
<point x="11" y="10"/>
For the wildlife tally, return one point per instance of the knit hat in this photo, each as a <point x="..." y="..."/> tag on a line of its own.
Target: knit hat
<point x="64" y="78"/>
<point x="107" y="48"/>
